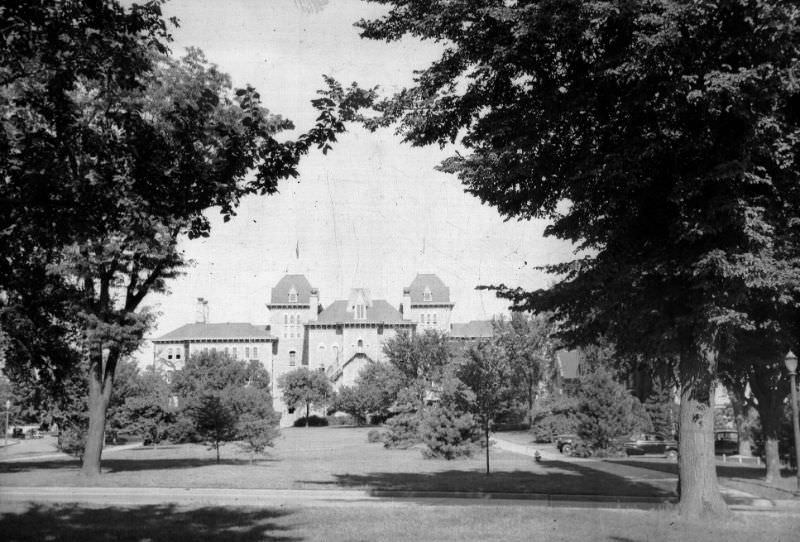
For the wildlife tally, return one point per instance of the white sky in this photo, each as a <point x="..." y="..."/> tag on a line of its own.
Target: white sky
<point x="372" y="213"/>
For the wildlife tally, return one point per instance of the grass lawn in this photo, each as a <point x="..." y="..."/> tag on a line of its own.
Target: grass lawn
<point x="334" y="457"/>
<point x="26" y="522"/>
<point x="341" y="457"/>
<point x="747" y="477"/>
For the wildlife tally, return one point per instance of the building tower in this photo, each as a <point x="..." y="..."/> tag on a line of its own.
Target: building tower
<point x="426" y="301"/>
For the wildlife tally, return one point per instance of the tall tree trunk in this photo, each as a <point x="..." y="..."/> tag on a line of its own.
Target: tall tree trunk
<point x="697" y="469"/>
<point x="770" y="389"/>
<point x="216" y="445"/>
<point x="101" y="380"/>
<point x="741" y="410"/>
<point x="308" y="409"/>
<point x="770" y="412"/>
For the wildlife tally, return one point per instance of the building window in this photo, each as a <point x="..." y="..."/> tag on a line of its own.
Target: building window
<point x="255" y="352"/>
<point x="429" y="319"/>
<point x="434" y="318"/>
<point x="285" y="319"/>
<point x="169" y="353"/>
<point x="213" y="351"/>
<point x="292" y="295"/>
<point x="177" y="353"/>
<point x="235" y="354"/>
<point x="360" y="345"/>
<point x="226" y="351"/>
<point x="426" y="295"/>
<point x="205" y="350"/>
<point x="361" y="312"/>
<point x="246" y="352"/>
<point x="335" y="348"/>
<point x="292" y="358"/>
<point x="421" y="318"/>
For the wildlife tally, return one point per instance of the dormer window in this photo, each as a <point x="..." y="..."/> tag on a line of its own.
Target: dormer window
<point x="293" y="295"/>
<point x="361" y="312"/>
<point x="426" y="295"/>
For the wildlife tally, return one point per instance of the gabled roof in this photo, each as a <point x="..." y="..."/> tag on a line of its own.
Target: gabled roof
<point x="280" y="293"/>
<point x="439" y="292"/>
<point x="200" y="331"/>
<point x="569" y="362"/>
<point x="379" y="312"/>
<point x="475" y="329"/>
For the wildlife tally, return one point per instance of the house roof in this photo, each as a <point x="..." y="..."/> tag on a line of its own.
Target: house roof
<point x="379" y="311"/>
<point x="280" y="293"/>
<point x="568" y="363"/>
<point x="475" y="329"/>
<point x="200" y="331"/>
<point x="439" y="292"/>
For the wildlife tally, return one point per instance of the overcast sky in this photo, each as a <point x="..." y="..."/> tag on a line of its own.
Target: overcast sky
<point x="371" y="214"/>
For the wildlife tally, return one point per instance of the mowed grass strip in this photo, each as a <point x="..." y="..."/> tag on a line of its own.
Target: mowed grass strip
<point x="26" y="522"/>
<point x="331" y="458"/>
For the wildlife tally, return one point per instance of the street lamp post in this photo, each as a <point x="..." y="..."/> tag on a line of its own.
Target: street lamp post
<point x="791" y="366"/>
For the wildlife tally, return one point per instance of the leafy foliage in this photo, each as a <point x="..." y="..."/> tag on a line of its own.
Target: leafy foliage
<point x="403" y="430"/>
<point x="214" y="420"/>
<point x="223" y="399"/>
<point x="526" y="341"/>
<point x="448" y="433"/>
<point x="606" y="410"/>
<point x="375" y="391"/>
<point x="304" y="388"/>
<point x="555" y="415"/>
<point x="661" y="409"/>
<point x="112" y="152"/>
<point x="660" y="137"/>
<point x="146" y="409"/>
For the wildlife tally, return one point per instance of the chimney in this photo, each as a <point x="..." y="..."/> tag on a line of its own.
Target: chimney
<point x="405" y="307"/>
<point x="313" y="303"/>
<point x="201" y="312"/>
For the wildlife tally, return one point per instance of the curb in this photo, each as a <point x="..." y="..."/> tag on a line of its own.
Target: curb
<point x="323" y="497"/>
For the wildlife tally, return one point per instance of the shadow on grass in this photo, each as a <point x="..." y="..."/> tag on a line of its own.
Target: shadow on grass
<point x="558" y="478"/>
<point x="158" y="522"/>
<point x="750" y="472"/>
<point x="129" y="465"/>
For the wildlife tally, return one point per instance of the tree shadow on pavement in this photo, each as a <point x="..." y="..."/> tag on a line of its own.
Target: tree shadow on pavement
<point x="552" y="477"/>
<point x="154" y="523"/>
<point x="127" y="465"/>
<point x="723" y="471"/>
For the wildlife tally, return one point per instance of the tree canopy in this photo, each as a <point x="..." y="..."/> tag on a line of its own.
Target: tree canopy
<point x="658" y="136"/>
<point x="304" y="388"/>
<point x="112" y="151"/>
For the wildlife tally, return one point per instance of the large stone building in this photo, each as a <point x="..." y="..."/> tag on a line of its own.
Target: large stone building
<point x="340" y="339"/>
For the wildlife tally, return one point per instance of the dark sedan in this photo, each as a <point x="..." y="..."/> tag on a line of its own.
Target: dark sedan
<point x="652" y="444"/>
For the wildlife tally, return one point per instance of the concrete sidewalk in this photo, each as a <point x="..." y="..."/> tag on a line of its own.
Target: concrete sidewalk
<point x="736" y="499"/>
<point x="132" y="496"/>
<point x="37" y="456"/>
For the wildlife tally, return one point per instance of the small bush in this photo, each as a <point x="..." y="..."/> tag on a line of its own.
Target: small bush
<point x="72" y="441"/>
<point x="582" y="449"/>
<point x="182" y="430"/>
<point x="374" y="436"/>
<point x="313" y="421"/>
<point x="449" y="434"/>
<point x="402" y="431"/>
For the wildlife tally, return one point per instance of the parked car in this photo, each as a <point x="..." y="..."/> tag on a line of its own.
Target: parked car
<point x="18" y="432"/>
<point x="566" y="442"/>
<point x="651" y="444"/>
<point x="726" y="442"/>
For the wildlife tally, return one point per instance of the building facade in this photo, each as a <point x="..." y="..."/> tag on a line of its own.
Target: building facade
<point x="340" y="339"/>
